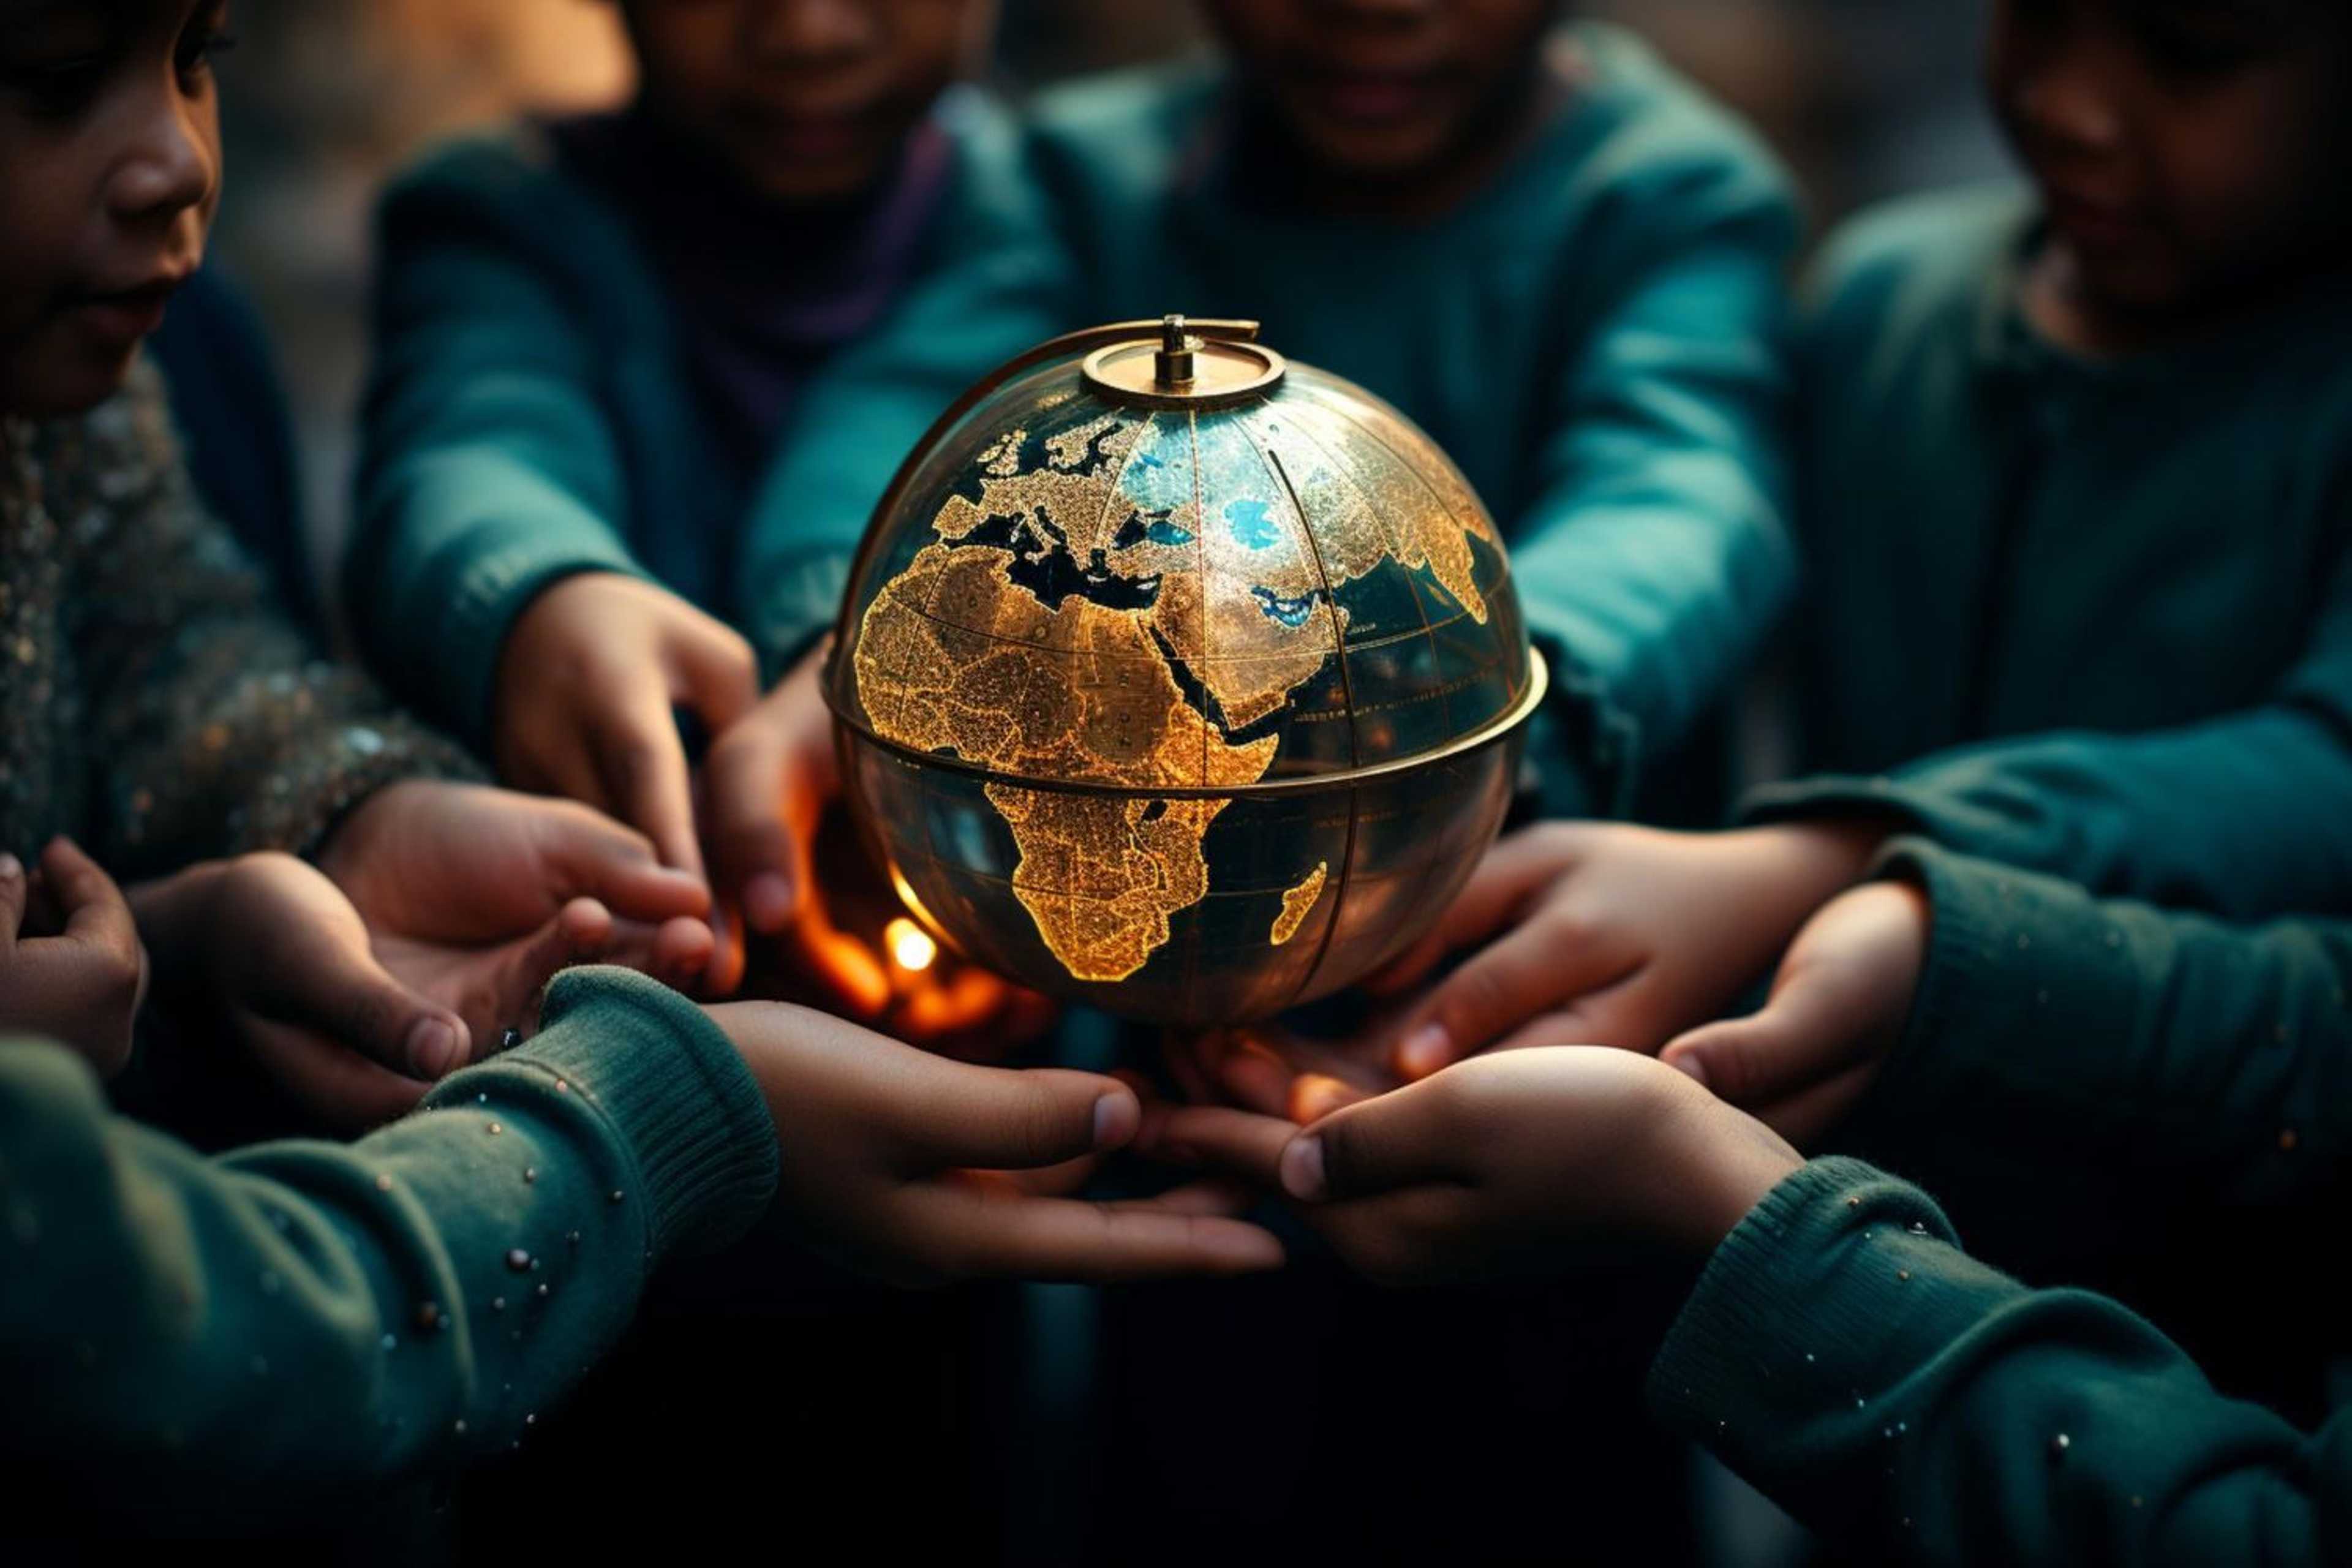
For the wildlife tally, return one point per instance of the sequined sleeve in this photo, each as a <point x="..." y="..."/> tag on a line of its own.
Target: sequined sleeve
<point x="214" y="727"/>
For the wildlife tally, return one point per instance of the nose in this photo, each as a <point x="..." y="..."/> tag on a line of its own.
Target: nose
<point x="803" y="30"/>
<point x="2066" y="101"/>
<point x="171" y="163"/>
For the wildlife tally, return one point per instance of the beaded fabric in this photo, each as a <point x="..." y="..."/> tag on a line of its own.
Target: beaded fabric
<point x="156" y="707"/>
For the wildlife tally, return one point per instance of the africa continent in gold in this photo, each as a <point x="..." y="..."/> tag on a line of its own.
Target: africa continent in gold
<point x="1081" y="620"/>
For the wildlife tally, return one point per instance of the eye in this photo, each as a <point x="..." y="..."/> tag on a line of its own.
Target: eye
<point x="59" y="88"/>
<point x="2202" y="39"/>
<point x="206" y="39"/>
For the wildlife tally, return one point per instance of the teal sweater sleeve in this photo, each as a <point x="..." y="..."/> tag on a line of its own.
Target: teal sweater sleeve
<point x="1655" y="553"/>
<point x="995" y="282"/>
<point x="489" y="467"/>
<point x="1845" y="1355"/>
<point x="2241" y="814"/>
<point x="259" y="1338"/>
<point x="2165" y="1053"/>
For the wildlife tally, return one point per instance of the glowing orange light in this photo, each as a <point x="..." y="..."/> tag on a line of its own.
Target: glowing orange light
<point x="912" y="947"/>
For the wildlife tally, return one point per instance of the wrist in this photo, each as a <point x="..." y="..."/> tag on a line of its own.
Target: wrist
<point x="174" y="916"/>
<point x="1730" y="1160"/>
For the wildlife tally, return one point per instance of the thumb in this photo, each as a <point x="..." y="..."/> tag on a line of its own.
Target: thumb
<point x="713" y="671"/>
<point x="1401" y="1139"/>
<point x="13" y="890"/>
<point x="1795" y="1040"/>
<point x="1003" y="1119"/>
<point x="344" y="995"/>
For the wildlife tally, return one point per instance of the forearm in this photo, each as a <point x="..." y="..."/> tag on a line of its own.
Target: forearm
<point x="1651" y="567"/>
<point x="1842" y="1353"/>
<point x="2239" y="814"/>
<point x="2200" y="1061"/>
<point x="489" y="467"/>
<point x="260" y="1336"/>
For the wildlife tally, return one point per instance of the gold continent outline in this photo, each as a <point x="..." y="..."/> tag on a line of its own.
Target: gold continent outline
<point x="1082" y="691"/>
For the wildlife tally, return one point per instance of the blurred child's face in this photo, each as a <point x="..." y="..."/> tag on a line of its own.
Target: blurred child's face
<point x="1387" y="88"/>
<point x="109" y="167"/>
<point x="2187" y="150"/>
<point x="806" y="99"/>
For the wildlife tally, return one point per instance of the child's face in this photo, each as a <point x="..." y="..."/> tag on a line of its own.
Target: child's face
<point x="2187" y="150"/>
<point x="109" y="167"/>
<point x="1386" y="89"/>
<point x="806" y="99"/>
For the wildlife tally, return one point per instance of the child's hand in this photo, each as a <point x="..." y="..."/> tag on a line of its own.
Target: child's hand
<point x="1605" y="933"/>
<point x="1501" y="1165"/>
<point x="908" y="1166"/>
<point x="71" y="966"/>
<point x="1838" y="1005"/>
<point x="1270" y="1069"/>
<point x="766" y="783"/>
<point x="586" y="684"/>
<point x="352" y="1026"/>
<point x="464" y="866"/>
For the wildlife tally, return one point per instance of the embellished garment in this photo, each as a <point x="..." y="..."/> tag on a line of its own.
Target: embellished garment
<point x="158" y="709"/>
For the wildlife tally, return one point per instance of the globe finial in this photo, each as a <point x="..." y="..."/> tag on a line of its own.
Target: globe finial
<point x="1172" y="366"/>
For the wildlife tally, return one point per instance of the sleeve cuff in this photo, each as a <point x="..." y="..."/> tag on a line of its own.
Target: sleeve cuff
<point x="2018" y="967"/>
<point x="1823" y="1301"/>
<point x="674" y="1088"/>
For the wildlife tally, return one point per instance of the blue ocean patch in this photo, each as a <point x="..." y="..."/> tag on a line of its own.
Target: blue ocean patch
<point x="1251" y="525"/>
<point x="1292" y="613"/>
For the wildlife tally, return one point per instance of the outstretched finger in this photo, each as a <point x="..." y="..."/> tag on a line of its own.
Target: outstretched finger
<point x="12" y="892"/>
<point x="1005" y="1119"/>
<point x="1801" y="1035"/>
<point x="1528" y="973"/>
<point x="992" y="1233"/>
<point x="640" y="760"/>
<point x="1509" y="875"/>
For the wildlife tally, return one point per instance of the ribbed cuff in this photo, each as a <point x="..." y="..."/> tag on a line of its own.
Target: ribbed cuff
<point x="2019" y="969"/>
<point x="1877" y="798"/>
<point x="675" y="1090"/>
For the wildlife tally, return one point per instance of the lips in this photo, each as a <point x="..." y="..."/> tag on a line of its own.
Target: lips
<point x="126" y="315"/>
<point x="1370" y="97"/>
<point x="2093" y="219"/>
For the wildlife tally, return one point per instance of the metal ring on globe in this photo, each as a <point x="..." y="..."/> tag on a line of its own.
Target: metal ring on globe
<point x="1497" y="729"/>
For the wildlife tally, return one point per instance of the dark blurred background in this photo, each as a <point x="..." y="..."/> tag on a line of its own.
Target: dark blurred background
<point x="325" y="98"/>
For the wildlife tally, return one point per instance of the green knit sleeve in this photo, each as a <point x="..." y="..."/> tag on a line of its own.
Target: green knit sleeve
<point x="1844" y="1354"/>
<point x="268" y="1337"/>
<point x="489" y="467"/>
<point x="2188" y="1058"/>
<point x="2240" y="814"/>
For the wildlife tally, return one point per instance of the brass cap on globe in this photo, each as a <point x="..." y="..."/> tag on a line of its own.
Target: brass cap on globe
<point x="1187" y="365"/>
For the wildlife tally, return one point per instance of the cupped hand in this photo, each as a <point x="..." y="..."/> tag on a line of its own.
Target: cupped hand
<point x="71" y="964"/>
<point x="920" y="1169"/>
<point x="1504" y="1164"/>
<point x="1838" y="1008"/>
<point x="1607" y="933"/>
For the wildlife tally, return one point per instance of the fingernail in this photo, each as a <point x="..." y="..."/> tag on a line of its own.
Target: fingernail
<point x="768" y="902"/>
<point x="1424" y="1051"/>
<point x="434" y="1046"/>
<point x="11" y="868"/>
<point x="1302" y="1170"/>
<point x="1688" y="1061"/>
<point x="1116" y="1117"/>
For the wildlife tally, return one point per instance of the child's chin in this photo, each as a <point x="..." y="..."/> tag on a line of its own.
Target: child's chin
<point x="61" y="383"/>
